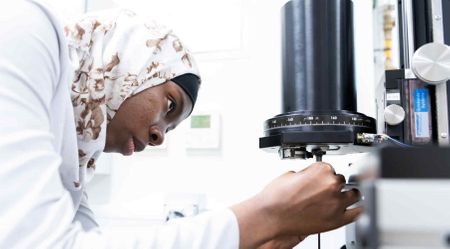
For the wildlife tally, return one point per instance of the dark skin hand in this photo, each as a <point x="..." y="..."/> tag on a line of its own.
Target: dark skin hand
<point x="283" y="242"/>
<point x="305" y="202"/>
<point x="143" y="119"/>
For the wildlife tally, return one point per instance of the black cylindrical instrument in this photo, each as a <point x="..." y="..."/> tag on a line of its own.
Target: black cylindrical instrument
<point x="319" y="96"/>
<point x="317" y="56"/>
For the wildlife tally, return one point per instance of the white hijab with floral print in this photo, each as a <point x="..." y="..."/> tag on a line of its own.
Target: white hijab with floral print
<point x="115" y="55"/>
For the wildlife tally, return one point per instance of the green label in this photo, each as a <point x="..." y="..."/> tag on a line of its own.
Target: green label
<point x="200" y="121"/>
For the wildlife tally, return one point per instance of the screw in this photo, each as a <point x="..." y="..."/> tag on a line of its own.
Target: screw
<point x="437" y="17"/>
<point x="444" y="135"/>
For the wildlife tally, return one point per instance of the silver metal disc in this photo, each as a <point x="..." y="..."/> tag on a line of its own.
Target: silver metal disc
<point x="394" y="114"/>
<point x="431" y="63"/>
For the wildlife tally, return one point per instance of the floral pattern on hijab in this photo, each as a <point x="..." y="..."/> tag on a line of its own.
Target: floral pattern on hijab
<point x="115" y="55"/>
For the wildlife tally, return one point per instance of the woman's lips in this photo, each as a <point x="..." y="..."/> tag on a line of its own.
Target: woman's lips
<point x="129" y="148"/>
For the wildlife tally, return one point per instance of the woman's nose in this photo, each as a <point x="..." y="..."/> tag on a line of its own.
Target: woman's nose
<point x="156" y="136"/>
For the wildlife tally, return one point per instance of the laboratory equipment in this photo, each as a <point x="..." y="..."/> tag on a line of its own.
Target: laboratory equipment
<point x="405" y="188"/>
<point x="405" y="185"/>
<point x="319" y="97"/>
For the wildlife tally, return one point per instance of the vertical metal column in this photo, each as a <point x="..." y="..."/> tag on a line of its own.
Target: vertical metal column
<point x="407" y="33"/>
<point x="441" y="89"/>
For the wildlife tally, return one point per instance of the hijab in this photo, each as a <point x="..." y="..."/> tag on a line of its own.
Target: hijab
<point x="116" y="55"/>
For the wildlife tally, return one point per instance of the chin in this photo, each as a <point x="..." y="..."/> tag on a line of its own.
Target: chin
<point x="107" y="150"/>
<point x="110" y="149"/>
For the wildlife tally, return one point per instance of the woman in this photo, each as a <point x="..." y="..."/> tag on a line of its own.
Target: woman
<point x="130" y="83"/>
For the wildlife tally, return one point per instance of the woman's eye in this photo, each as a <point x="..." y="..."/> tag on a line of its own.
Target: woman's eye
<point x="170" y="105"/>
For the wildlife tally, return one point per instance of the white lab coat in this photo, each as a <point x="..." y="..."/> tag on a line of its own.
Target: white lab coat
<point x="38" y="146"/>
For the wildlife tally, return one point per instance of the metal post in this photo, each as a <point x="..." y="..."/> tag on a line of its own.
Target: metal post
<point x="408" y="33"/>
<point x="441" y="89"/>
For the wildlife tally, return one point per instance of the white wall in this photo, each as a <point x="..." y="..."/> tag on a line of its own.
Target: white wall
<point x="241" y="82"/>
<point x="66" y="9"/>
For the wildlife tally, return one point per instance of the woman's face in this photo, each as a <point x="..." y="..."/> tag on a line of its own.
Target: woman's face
<point x="144" y="118"/>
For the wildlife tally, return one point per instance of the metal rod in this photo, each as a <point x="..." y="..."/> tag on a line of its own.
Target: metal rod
<point x="318" y="240"/>
<point x="408" y="32"/>
<point x="319" y="155"/>
<point x="437" y="17"/>
<point x="318" y="159"/>
<point x="441" y="89"/>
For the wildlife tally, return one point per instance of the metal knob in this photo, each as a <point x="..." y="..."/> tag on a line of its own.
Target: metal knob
<point x="431" y="63"/>
<point x="394" y="114"/>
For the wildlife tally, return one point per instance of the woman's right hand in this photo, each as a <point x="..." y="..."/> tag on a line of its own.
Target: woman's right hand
<point x="305" y="202"/>
<point x="286" y="242"/>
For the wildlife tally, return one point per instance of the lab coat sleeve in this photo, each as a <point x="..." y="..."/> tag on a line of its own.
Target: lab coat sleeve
<point x="36" y="211"/>
<point x="85" y="215"/>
